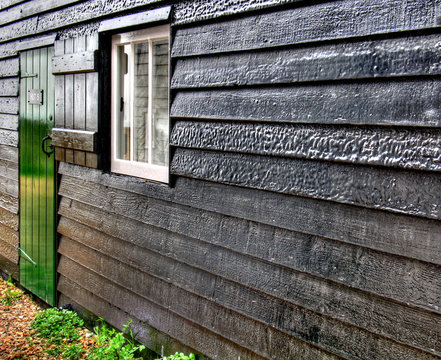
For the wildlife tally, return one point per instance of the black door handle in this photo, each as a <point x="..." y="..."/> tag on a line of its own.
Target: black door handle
<point x="43" y="141"/>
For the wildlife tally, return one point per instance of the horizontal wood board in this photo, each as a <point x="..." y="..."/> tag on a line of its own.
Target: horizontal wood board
<point x="407" y="56"/>
<point x="145" y="251"/>
<point x="152" y="216"/>
<point x="317" y="22"/>
<point x="418" y="149"/>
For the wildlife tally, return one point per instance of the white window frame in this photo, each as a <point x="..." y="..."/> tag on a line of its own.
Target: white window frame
<point x="130" y="167"/>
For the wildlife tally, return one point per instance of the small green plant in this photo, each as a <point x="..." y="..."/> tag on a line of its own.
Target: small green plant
<point x="114" y="345"/>
<point x="10" y="295"/>
<point x="178" y="356"/>
<point x="61" y="330"/>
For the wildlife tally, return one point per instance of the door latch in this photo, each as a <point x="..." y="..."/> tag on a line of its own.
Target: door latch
<point x="51" y="147"/>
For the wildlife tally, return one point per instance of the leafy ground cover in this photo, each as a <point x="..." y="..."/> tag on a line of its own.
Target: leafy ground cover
<point x="28" y="331"/>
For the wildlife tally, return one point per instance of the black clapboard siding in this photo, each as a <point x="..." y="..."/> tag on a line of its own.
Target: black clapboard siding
<point x="407" y="192"/>
<point x="389" y="318"/>
<point x="201" y="311"/>
<point x="128" y="299"/>
<point x="73" y="293"/>
<point x="8" y="169"/>
<point x="407" y="56"/>
<point x="32" y="8"/>
<point x="410" y="103"/>
<point x="9" y="67"/>
<point x="317" y="22"/>
<point x="393" y="233"/>
<point x="8" y="122"/>
<point x="190" y="222"/>
<point x="9" y="87"/>
<point x="9" y="138"/>
<point x="9" y="105"/>
<point x="397" y="147"/>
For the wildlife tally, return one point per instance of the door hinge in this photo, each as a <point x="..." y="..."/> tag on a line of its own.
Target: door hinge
<point x="26" y="256"/>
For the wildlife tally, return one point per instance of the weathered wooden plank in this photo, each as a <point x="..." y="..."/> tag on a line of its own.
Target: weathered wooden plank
<point x="33" y="43"/>
<point x="9" y="153"/>
<point x="9" y="105"/>
<point x="32" y="8"/>
<point x="59" y="100"/>
<point x="9" y="236"/>
<point x="8" y="169"/>
<point x="141" y="247"/>
<point x="128" y="301"/>
<point x="69" y="96"/>
<point x="317" y="22"/>
<point x="74" y="139"/>
<point x="9" y="202"/>
<point x="406" y="148"/>
<point x="9" y="87"/>
<point x="408" y="56"/>
<point x="8" y="137"/>
<point x="189" y="222"/>
<point x="410" y="103"/>
<point x="9" y="67"/>
<point x="231" y="325"/>
<point x="85" y="61"/>
<point x="143" y="329"/>
<point x="8" y="251"/>
<point x="402" y="235"/>
<point x="8" y="219"/>
<point x="9" y="122"/>
<point x="141" y="18"/>
<point x="69" y="15"/>
<point x="10" y="268"/>
<point x="188" y="11"/>
<point x="9" y="186"/>
<point x="393" y="190"/>
<point x="152" y="215"/>
<point x="6" y="3"/>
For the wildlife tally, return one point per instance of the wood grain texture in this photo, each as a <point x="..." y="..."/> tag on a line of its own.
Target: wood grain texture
<point x="9" y="236"/>
<point x="6" y="3"/>
<point x="9" y="202"/>
<point x="9" y="87"/>
<point x="10" y="268"/>
<point x="141" y="18"/>
<point x="149" y="336"/>
<point x="8" y="122"/>
<point x="8" y="169"/>
<point x="188" y="11"/>
<point x="47" y="40"/>
<point x="85" y="61"/>
<point x="407" y="56"/>
<point x="7" y="248"/>
<point x="226" y="322"/>
<point x="400" y="289"/>
<point x="393" y="190"/>
<point x="317" y="22"/>
<point x="74" y="139"/>
<point x="127" y="298"/>
<point x="9" y="105"/>
<point x="9" y="153"/>
<point x="69" y="15"/>
<point x="9" y="186"/>
<point x="407" y="103"/>
<point x="398" y="234"/>
<point x="32" y="8"/>
<point x="397" y="147"/>
<point x="8" y="137"/>
<point x="8" y="219"/>
<point x="9" y="67"/>
<point x="145" y="249"/>
<point x="156" y="317"/>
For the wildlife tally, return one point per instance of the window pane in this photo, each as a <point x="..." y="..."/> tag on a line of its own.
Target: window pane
<point x="123" y="120"/>
<point x="160" y="103"/>
<point x="141" y="102"/>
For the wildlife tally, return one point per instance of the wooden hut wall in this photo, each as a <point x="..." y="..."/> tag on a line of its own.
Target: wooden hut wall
<point x="304" y="218"/>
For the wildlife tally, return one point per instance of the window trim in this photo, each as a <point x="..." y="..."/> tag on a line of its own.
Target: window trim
<point x="146" y="171"/>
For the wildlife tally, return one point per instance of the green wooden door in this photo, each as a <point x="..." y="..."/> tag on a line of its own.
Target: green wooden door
<point x="37" y="174"/>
